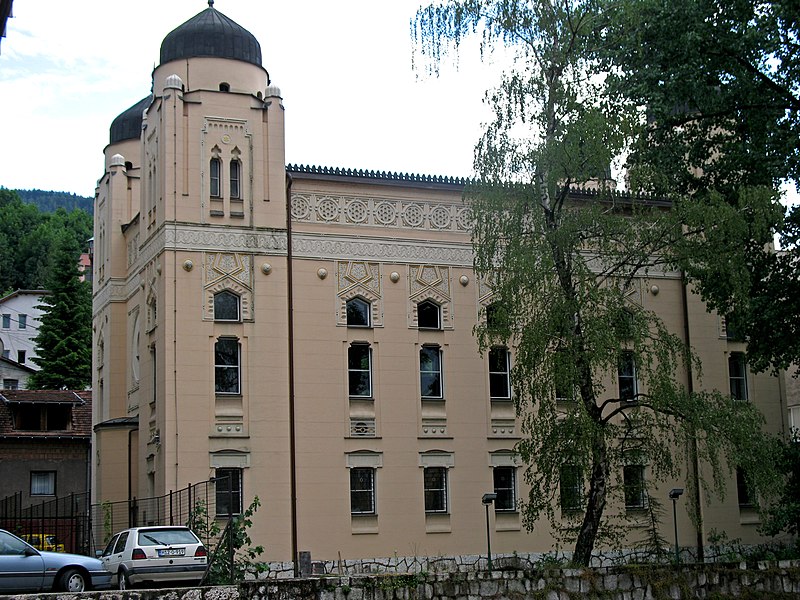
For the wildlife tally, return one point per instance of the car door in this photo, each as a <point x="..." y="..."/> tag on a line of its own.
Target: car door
<point x="21" y="566"/>
<point x="110" y="558"/>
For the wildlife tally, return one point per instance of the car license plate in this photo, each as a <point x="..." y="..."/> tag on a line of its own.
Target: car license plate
<point x="172" y="552"/>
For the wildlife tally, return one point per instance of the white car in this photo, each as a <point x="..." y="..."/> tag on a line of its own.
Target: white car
<point x="155" y="555"/>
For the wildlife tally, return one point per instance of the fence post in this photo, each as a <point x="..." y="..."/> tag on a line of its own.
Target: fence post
<point x="171" y="519"/>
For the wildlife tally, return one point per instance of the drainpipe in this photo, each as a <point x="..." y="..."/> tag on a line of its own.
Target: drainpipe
<point x="695" y="499"/>
<point x="290" y="348"/>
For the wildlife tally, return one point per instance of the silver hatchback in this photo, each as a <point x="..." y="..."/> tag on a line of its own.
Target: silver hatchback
<point x="155" y="555"/>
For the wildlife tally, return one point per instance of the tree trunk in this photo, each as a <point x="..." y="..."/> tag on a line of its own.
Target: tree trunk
<point x="595" y="503"/>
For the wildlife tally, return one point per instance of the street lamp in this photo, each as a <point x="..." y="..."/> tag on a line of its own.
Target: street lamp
<point x="487" y="500"/>
<point x="674" y="494"/>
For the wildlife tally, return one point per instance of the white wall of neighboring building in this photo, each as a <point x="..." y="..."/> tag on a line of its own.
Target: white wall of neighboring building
<point x="19" y="324"/>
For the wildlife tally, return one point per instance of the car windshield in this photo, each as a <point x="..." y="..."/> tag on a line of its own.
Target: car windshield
<point x="166" y="537"/>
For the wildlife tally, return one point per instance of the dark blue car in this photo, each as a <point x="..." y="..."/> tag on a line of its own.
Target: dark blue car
<point x="23" y="568"/>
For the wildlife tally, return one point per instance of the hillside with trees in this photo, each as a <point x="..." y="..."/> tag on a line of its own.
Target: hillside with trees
<point x="48" y="201"/>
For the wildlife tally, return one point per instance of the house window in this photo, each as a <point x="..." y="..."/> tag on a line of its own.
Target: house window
<point x="358" y="313"/>
<point x="10" y="384"/>
<point x="429" y="315"/>
<point x="214" y="177"/>
<point x="359" y="370"/>
<point x="6" y="321"/>
<point x="21" y="356"/>
<point x="236" y="176"/>
<point x="743" y="492"/>
<point x="571" y="487"/>
<point x="626" y="374"/>
<point x="563" y="377"/>
<point x="430" y="372"/>
<point x="226" y="306"/>
<point x="362" y="491"/>
<point x="38" y="417"/>
<point x="634" y="486"/>
<point x="43" y="483"/>
<point x="794" y="423"/>
<point x="499" y="380"/>
<point x="6" y="353"/>
<point x="505" y="488"/>
<point x="226" y="366"/>
<point x="228" y="491"/>
<point x="737" y="371"/>
<point x="435" y="489"/>
<point x="23" y="321"/>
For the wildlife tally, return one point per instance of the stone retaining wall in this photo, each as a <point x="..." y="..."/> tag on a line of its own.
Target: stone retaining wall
<point x="718" y="581"/>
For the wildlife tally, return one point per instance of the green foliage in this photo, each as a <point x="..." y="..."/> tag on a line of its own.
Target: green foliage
<point x="721" y="83"/>
<point x="784" y="514"/>
<point x="64" y="341"/>
<point x="566" y="266"/>
<point x="236" y="540"/>
<point x="28" y="240"/>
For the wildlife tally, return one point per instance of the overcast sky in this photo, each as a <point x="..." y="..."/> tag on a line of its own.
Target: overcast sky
<point x="344" y="68"/>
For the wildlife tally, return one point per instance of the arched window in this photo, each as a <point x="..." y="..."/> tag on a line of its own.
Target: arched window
<point x="358" y="313"/>
<point x="226" y="306"/>
<point x="215" y="171"/>
<point x="236" y="177"/>
<point x="429" y="315"/>
<point x="224" y="87"/>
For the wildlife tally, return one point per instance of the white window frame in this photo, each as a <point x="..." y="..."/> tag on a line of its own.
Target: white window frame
<point x="237" y="366"/>
<point x="737" y="360"/>
<point x="432" y="372"/>
<point x="639" y="501"/>
<point x="235" y="182"/>
<point x="352" y="370"/>
<point x="627" y="359"/>
<point x="215" y="177"/>
<point x="512" y="490"/>
<point x="368" y="491"/>
<point x="43" y="483"/>
<point x="429" y="302"/>
<point x="359" y="300"/>
<point x="504" y="374"/>
<point x="226" y="293"/>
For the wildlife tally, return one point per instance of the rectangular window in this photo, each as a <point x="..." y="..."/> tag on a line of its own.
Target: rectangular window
<point x="226" y="366"/>
<point x="743" y="490"/>
<point x="362" y="491"/>
<point x="10" y="384"/>
<point x="236" y="169"/>
<point x="43" y="483"/>
<point x="794" y="423"/>
<point x="21" y="356"/>
<point x="359" y="370"/>
<point x="571" y="488"/>
<point x="430" y="372"/>
<point x="626" y="375"/>
<point x="23" y="321"/>
<point x="563" y="377"/>
<point x="505" y="488"/>
<point x="435" y="489"/>
<point x="228" y="491"/>
<point x="6" y="321"/>
<point x="634" y="484"/>
<point x="737" y="371"/>
<point x="499" y="374"/>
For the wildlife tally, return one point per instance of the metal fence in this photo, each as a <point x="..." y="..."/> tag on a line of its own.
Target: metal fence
<point x="85" y="528"/>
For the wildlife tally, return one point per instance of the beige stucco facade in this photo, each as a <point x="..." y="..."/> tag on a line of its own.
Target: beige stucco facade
<point x="170" y="235"/>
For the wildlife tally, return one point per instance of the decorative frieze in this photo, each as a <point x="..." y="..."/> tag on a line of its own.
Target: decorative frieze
<point x="380" y="212"/>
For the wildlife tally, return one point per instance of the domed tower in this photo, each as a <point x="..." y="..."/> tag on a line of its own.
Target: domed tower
<point x="191" y="217"/>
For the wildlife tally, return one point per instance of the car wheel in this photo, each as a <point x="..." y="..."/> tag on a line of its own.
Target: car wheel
<point x="72" y="580"/>
<point x="123" y="583"/>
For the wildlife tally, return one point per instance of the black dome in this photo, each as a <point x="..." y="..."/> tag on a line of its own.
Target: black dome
<point x="211" y="33"/>
<point x="128" y="125"/>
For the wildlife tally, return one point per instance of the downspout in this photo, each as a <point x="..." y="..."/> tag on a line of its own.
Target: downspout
<point x="175" y="272"/>
<point x="696" y="499"/>
<point x="290" y="349"/>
